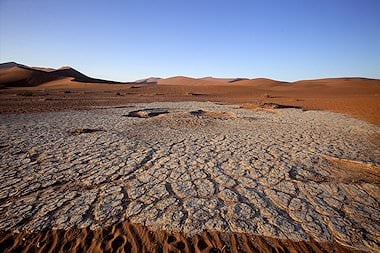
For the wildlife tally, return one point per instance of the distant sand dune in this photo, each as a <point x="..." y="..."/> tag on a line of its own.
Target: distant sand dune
<point x="14" y="75"/>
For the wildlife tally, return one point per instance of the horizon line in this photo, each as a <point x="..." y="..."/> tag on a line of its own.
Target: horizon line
<point x="188" y="76"/>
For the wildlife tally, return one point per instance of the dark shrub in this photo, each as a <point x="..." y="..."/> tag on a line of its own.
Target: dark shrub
<point x="26" y="93"/>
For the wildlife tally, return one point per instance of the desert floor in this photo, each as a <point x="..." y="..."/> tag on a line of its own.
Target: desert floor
<point x="189" y="168"/>
<point x="359" y="99"/>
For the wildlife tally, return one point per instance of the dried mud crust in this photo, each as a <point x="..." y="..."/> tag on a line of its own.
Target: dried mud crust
<point x="197" y="167"/>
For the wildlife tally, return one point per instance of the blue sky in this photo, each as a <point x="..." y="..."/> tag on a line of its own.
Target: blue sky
<point x="127" y="40"/>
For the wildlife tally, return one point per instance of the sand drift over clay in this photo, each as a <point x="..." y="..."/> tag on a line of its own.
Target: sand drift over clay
<point x="190" y="167"/>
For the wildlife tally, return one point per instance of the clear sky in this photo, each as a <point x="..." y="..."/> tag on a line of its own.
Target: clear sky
<point x="131" y="39"/>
